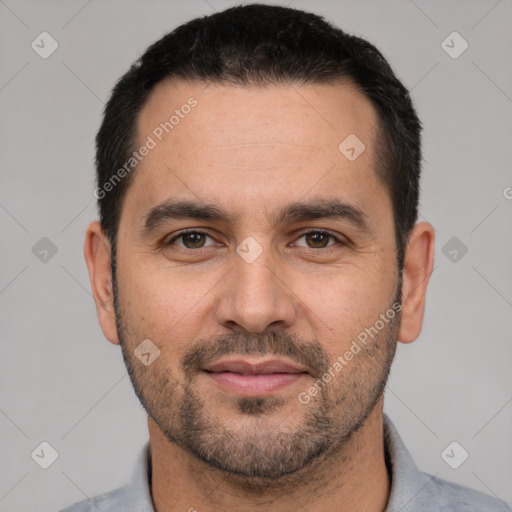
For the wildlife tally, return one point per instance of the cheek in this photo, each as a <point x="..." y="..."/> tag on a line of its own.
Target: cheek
<point x="352" y="301"/>
<point x="162" y="304"/>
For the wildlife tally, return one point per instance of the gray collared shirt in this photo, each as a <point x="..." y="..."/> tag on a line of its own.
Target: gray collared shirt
<point x="411" y="489"/>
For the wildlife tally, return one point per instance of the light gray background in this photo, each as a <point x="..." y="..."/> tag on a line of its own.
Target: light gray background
<point x="63" y="383"/>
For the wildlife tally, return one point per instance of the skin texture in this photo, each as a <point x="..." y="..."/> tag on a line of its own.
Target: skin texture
<point x="304" y="299"/>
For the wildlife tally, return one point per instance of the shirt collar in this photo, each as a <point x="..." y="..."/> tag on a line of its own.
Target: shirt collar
<point x="138" y="496"/>
<point x="407" y="481"/>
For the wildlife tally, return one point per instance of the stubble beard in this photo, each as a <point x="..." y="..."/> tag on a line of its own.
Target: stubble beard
<point x="271" y="456"/>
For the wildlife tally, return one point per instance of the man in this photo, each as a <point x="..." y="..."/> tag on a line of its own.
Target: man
<point x="258" y="258"/>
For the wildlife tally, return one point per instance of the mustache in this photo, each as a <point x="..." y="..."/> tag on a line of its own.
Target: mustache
<point x="309" y="354"/>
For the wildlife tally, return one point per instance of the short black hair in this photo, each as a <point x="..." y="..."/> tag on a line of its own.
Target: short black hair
<point x="265" y="45"/>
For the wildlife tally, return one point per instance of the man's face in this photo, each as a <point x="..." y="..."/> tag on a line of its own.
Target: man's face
<point x="234" y="301"/>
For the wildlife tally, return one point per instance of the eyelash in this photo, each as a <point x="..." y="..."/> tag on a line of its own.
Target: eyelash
<point x="199" y="232"/>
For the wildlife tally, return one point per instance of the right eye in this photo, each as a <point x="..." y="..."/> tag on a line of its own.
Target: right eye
<point x="191" y="239"/>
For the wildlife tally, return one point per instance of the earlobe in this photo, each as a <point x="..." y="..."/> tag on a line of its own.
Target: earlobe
<point x="97" y="256"/>
<point x="419" y="262"/>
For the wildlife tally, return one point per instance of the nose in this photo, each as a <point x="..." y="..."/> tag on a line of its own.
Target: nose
<point x="255" y="296"/>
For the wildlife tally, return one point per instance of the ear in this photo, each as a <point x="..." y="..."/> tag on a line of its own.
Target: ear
<point x="97" y="256"/>
<point x="418" y="265"/>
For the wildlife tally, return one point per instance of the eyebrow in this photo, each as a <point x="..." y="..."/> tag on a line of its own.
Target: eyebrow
<point x="294" y="212"/>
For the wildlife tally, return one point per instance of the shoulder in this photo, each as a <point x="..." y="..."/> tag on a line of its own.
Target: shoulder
<point x="111" y="501"/>
<point x="451" y="497"/>
<point x="133" y="497"/>
<point x="413" y="490"/>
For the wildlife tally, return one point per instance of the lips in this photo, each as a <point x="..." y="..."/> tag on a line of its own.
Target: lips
<point x="254" y="378"/>
<point x="245" y="367"/>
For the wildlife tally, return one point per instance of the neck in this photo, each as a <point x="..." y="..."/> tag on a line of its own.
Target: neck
<point x="353" y="479"/>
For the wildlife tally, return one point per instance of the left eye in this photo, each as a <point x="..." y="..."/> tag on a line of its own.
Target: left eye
<point x="196" y="239"/>
<point x="320" y="239"/>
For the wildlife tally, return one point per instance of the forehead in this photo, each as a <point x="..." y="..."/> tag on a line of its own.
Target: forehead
<point x="212" y="141"/>
<point x="227" y="113"/>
